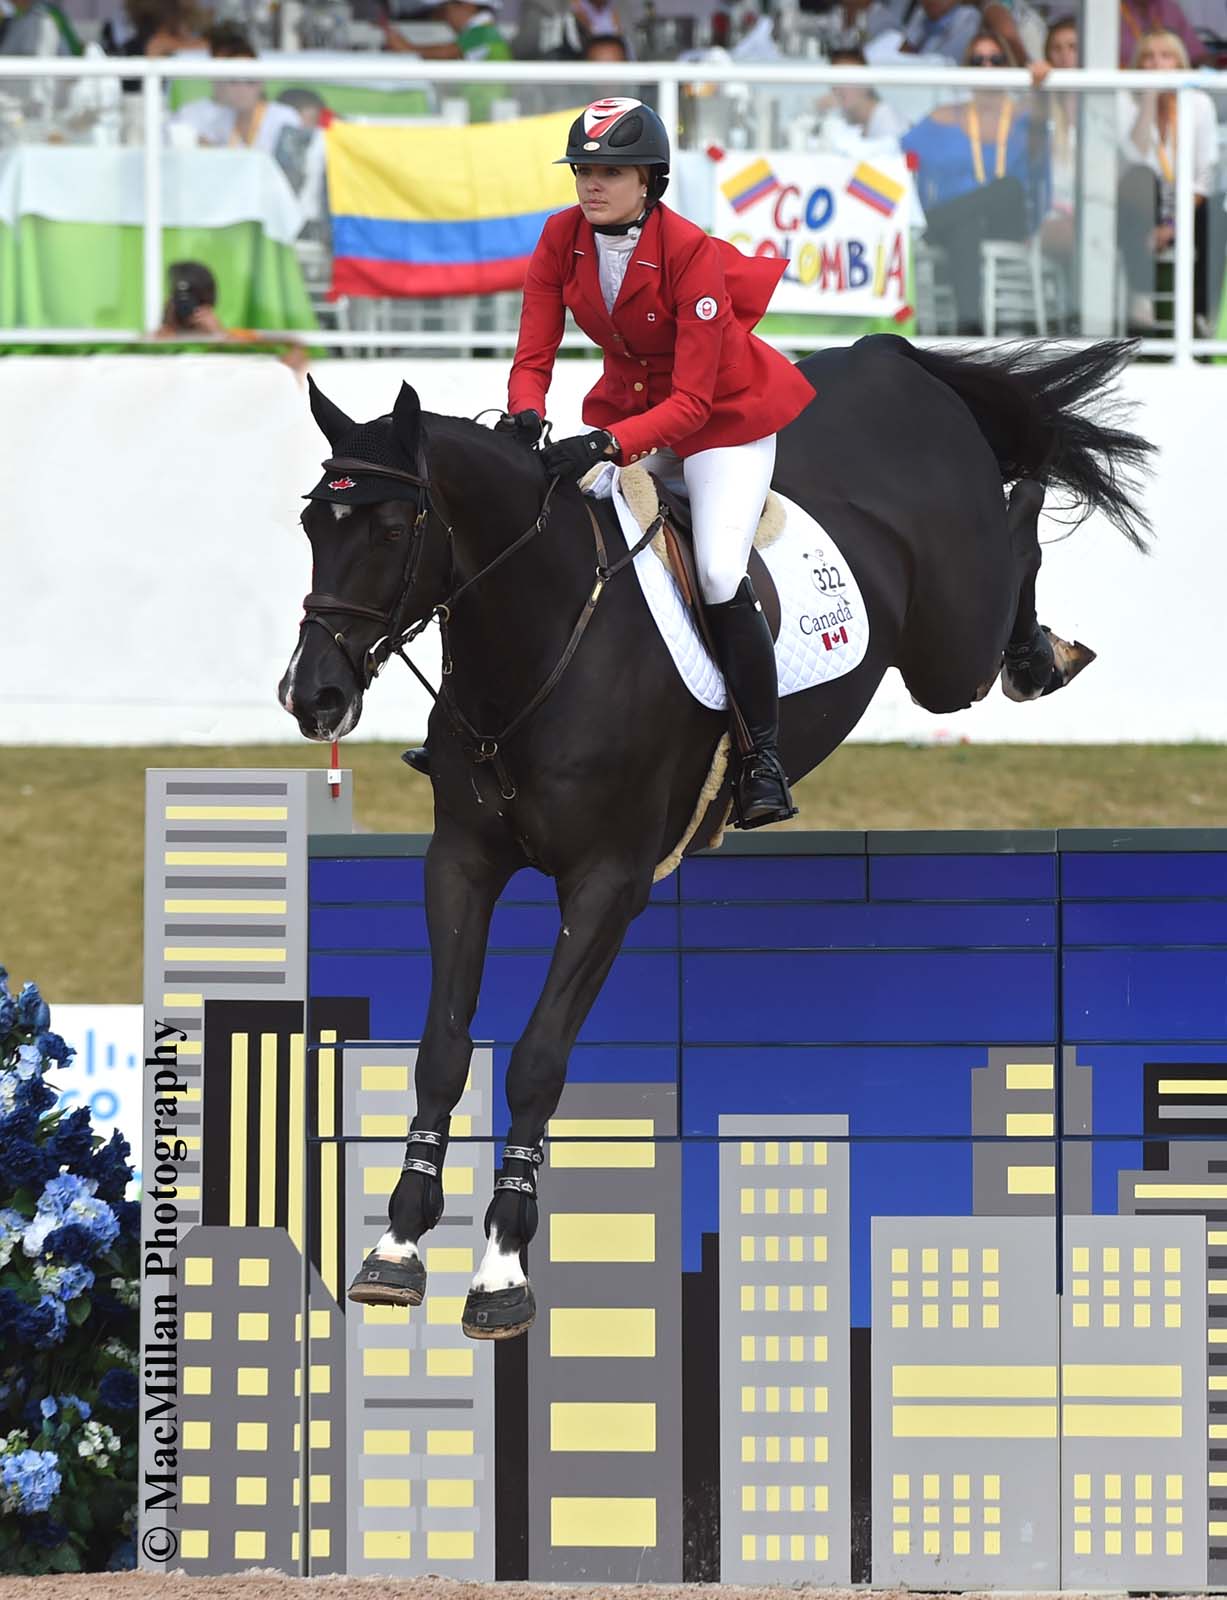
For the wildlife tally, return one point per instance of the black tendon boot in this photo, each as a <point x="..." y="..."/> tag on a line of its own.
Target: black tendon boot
<point x="401" y="1281"/>
<point x="746" y="656"/>
<point x="506" y="1313"/>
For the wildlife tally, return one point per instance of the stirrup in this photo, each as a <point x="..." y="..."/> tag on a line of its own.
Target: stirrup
<point x="761" y="794"/>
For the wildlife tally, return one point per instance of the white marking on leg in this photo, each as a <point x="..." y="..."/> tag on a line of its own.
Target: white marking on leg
<point x="499" y="1269"/>
<point x="395" y="1249"/>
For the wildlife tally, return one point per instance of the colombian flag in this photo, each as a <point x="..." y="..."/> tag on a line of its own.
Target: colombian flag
<point x="437" y="211"/>
<point x="747" y="187"/>
<point x="875" y="188"/>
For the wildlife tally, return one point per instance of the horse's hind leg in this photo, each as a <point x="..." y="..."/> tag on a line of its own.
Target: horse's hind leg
<point x="462" y="885"/>
<point x="596" y="908"/>
<point x="1037" y="661"/>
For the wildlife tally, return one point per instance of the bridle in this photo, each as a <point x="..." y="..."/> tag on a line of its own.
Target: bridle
<point x="396" y="636"/>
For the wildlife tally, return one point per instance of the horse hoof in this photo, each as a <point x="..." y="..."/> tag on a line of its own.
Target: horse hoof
<point x="499" y="1313"/>
<point x="1070" y="659"/>
<point x="381" y="1281"/>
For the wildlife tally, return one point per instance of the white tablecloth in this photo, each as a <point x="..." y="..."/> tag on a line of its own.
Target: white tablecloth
<point x="200" y="188"/>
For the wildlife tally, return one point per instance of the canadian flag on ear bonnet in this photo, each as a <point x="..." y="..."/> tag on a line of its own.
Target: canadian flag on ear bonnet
<point x="617" y="132"/>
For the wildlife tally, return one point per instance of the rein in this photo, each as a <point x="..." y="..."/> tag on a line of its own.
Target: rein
<point x="481" y="747"/>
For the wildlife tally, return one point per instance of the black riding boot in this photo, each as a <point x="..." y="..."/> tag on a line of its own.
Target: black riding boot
<point x="746" y="656"/>
<point x="418" y="759"/>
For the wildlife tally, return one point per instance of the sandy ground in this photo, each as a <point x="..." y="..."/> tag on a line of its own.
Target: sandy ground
<point x="274" y="1586"/>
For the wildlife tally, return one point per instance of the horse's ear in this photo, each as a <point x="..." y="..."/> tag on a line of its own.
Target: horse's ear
<point x="333" y="423"/>
<point x="407" y="418"/>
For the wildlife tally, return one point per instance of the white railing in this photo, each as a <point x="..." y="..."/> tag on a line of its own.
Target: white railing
<point x="667" y="76"/>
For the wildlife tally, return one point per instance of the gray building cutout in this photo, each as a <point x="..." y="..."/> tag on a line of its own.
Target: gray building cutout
<point x="1013" y="1115"/>
<point x="1193" y="1184"/>
<point x="420" y="1416"/>
<point x="1133" y="1412"/>
<point x="785" y="1311"/>
<point x="965" y="1403"/>
<point x="239" y="1406"/>
<point x="226" y="920"/>
<point x="605" y="1359"/>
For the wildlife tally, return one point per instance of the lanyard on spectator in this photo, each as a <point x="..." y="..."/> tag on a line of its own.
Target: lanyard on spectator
<point x="1165" y="146"/>
<point x="1003" y="136"/>
<point x="257" y="121"/>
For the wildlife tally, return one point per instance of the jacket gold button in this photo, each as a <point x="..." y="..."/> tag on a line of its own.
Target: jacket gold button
<point x="638" y="387"/>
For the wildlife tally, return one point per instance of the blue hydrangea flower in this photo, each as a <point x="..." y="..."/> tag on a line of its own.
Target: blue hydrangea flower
<point x="48" y="1406"/>
<point x="119" y="1390"/>
<point x="29" y="1480"/>
<point x="109" y="1167"/>
<point x="29" y="1062"/>
<point x="23" y="1164"/>
<point x="73" y="1141"/>
<point x="8" y="1012"/>
<point x="4" y="980"/>
<point x="54" y="1049"/>
<point x="72" y="1242"/>
<point x="75" y="1400"/>
<point x="64" y="1282"/>
<point x="32" y="1010"/>
<point x="63" y="1191"/>
<point x="43" y="1324"/>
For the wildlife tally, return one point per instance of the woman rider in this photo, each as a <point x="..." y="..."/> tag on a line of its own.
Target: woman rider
<point x="671" y="309"/>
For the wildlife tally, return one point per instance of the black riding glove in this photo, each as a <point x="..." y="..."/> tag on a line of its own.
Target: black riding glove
<point x="524" y="427"/>
<point x="571" y="458"/>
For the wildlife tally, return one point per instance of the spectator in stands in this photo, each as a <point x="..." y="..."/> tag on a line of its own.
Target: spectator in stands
<point x="941" y="28"/>
<point x="606" y="47"/>
<point x="476" y="34"/>
<point x="858" y="106"/>
<point x="37" y="28"/>
<point x="155" y="28"/>
<point x="1138" y="18"/>
<point x="1147" y="193"/>
<point x="190" y="313"/>
<point x="1061" y="50"/>
<point x="239" y="114"/>
<point x="982" y="173"/>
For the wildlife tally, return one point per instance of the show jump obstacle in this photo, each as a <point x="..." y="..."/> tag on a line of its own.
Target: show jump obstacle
<point x="912" y="1144"/>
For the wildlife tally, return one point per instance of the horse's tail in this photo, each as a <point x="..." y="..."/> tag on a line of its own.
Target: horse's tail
<point x="1032" y="408"/>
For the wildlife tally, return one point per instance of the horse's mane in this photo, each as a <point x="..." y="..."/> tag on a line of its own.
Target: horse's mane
<point x="521" y="464"/>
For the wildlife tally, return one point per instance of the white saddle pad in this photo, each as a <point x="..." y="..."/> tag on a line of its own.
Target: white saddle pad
<point x="824" y="627"/>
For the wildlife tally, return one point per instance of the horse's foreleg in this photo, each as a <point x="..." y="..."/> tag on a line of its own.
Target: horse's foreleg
<point x="596" y="911"/>
<point x="462" y="886"/>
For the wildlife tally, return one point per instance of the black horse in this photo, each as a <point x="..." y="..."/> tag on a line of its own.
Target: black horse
<point x="565" y="738"/>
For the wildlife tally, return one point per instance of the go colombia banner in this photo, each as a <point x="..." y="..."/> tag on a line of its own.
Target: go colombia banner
<point x="841" y="223"/>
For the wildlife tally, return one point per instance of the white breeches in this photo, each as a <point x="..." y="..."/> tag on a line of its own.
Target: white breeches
<point x="727" y="488"/>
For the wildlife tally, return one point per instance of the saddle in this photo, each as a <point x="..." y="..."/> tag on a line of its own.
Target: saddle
<point x="678" y="538"/>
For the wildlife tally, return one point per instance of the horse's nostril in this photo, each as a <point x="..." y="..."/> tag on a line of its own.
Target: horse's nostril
<point x="330" y="702"/>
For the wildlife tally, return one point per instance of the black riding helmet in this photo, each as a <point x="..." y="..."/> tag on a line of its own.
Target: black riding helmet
<point x="620" y="133"/>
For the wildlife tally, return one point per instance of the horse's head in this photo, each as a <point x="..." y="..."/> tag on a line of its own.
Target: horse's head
<point x="378" y="562"/>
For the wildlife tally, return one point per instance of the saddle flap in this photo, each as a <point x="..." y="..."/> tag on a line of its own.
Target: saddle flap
<point x="679" y="541"/>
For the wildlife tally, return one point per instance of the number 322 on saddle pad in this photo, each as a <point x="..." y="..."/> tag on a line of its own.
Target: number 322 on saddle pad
<point x="824" y="627"/>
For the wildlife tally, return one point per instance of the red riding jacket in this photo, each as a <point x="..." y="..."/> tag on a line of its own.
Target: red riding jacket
<point x="682" y="369"/>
